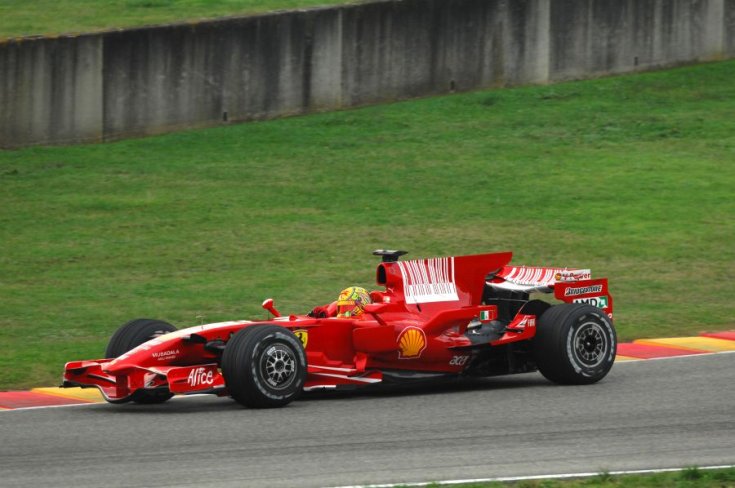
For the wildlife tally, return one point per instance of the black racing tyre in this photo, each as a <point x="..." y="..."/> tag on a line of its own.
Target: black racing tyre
<point x="575" y="344"/>
<point x="264" y="366"/>
<point x="131" y="335"/>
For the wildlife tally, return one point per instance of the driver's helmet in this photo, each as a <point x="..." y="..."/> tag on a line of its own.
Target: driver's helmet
<point x="352" y="301"/>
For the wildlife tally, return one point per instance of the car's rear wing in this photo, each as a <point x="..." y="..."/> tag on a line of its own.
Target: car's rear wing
<point x="429" y="286"/>
<point x="569" y="285"/>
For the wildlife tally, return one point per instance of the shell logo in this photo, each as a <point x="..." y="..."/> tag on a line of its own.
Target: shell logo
<point x="411" y="342"/>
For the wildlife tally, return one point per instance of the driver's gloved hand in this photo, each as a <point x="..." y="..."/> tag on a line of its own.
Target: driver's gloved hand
<point x="318" y="313"/>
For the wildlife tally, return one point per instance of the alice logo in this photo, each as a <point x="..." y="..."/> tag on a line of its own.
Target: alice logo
<point x="411" y="343"/>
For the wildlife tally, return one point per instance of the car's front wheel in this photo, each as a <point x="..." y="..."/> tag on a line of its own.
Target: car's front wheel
<point x="129" y="336"/>
<point x="264" y="366"/>
<point x="574" y="344"/>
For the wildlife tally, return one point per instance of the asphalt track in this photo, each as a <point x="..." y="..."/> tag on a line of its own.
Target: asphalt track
<point x="648" y="414"/>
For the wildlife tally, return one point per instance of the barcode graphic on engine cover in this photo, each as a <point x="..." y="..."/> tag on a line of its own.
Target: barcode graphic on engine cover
<point x="430" y="280"/>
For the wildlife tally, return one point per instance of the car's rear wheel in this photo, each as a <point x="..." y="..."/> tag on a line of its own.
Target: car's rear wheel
<point x="129" y="336"/>
<point x="574" y="344"/>
<point x="264" y="366"/>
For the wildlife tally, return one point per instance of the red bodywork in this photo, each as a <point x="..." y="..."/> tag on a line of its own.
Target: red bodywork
<point x="422" y="323"/>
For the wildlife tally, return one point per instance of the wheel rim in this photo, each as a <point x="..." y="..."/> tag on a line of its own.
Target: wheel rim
<point x="590" y="344"/>
<point x="278" y="366"/>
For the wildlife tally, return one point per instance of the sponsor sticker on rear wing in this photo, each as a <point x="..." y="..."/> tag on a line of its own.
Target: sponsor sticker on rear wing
<point x="591" y="292"/>
<point x="537" y="279"/>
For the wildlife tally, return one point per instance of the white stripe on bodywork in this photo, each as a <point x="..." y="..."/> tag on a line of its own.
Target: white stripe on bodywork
<point x="344" y="370"/>
<point x="428" y="281"/>
<point x="320" y="387"/>
<point x="351" y="378"/>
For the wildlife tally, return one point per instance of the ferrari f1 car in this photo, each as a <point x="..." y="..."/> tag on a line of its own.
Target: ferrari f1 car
<point x="433" y="318"/>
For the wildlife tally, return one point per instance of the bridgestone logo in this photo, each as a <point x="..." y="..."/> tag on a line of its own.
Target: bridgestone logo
<point x="573" y="292"/>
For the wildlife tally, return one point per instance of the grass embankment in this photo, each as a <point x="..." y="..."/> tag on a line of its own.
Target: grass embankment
<point x="631" y="176"/>
<point x="45" y="17"/>
<point x="687" y="478"/>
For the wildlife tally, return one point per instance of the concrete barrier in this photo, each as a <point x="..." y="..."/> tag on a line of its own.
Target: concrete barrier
<point x="150" y="80"/>
<point x="596" y="37"/>
<point x="728" y="34"/>
<point x="50" y="91"/>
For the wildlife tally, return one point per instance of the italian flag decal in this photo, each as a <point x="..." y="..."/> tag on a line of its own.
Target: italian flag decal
<point x="484" y="316"/>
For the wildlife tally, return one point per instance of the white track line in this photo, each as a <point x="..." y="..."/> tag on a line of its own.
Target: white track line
<point x="535" y="477"/>
<point x="40" y="407"/>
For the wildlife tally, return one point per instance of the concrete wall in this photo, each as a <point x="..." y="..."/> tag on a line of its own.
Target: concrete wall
<point x="593" y="37"/>
<point x="50" y="91"/>
<point x="728" y="41"/>
<point x="149" y="80"/>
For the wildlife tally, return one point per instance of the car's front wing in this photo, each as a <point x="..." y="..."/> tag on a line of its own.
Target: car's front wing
<point x="117" y="386"/>
<point x="202" y="378"/>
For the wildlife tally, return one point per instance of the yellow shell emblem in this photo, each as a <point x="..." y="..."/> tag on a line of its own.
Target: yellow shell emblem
<point x="411" y="342"/>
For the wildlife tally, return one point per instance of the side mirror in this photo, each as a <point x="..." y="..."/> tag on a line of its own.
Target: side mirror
<point x="268" y="305"/>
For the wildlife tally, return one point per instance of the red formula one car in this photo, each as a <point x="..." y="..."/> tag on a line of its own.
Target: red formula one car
<point x="439" y="317"/>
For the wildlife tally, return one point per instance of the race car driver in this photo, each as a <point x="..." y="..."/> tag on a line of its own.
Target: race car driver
<point x="350" y="304"/>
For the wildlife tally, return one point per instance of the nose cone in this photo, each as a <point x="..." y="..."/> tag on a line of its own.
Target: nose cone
<point x="155" y="352"/>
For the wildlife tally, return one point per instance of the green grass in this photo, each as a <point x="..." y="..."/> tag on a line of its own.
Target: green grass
<point x="687" y="478"/>
<point x="632" y="176"/>
<point x="36" y="17"/>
